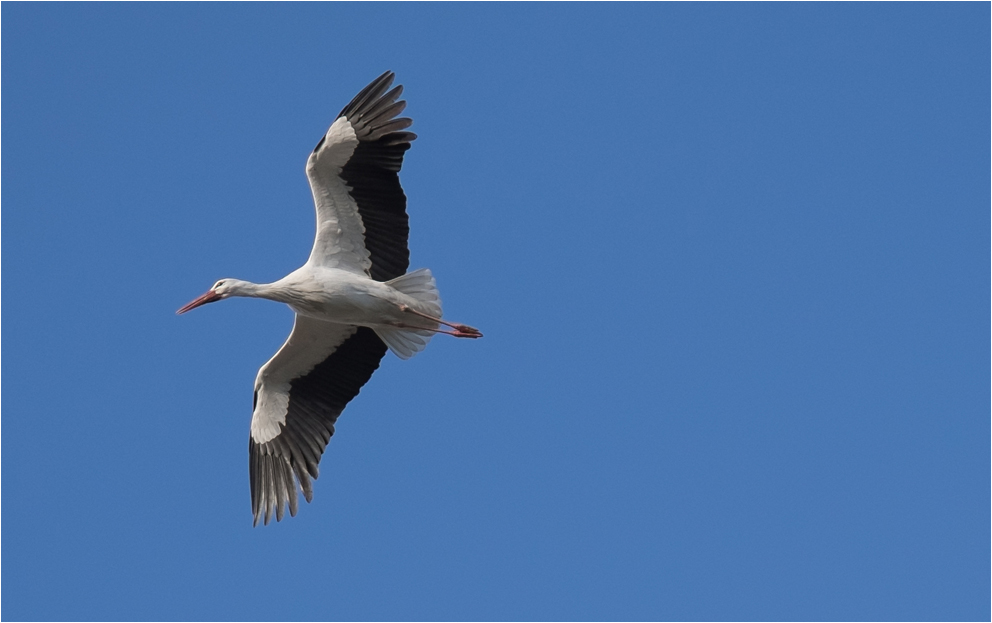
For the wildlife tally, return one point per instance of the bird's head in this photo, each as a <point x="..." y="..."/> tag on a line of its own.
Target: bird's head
<point x="220" y="290"/>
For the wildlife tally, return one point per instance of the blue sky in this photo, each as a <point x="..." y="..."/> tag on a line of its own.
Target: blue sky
<point x="731" y="262"/>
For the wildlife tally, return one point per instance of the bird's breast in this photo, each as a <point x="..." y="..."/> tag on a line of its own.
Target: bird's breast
<point x="349" y="300"/>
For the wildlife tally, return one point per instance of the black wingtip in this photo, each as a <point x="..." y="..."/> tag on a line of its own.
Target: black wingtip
<point x="370" y="102"/>
<point x="371" y="92"/>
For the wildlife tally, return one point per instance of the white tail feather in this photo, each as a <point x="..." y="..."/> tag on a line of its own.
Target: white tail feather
<point x="404" y="343"/>
<point x="421" y="287"/>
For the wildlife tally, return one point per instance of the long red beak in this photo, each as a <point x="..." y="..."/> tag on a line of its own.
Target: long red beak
<point x="209" y="297"/>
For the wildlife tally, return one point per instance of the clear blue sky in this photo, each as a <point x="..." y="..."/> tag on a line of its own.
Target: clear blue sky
<point x="731" y="262"/>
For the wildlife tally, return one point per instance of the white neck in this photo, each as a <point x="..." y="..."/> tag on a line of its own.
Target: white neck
<point x="272" y="291"/>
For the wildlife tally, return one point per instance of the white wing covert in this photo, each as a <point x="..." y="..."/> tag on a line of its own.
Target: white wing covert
<point x="299" y="394"/>
<point x="362" y="225"/>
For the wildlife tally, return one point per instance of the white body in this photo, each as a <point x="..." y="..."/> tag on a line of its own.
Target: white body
<point x="341" y="296"/>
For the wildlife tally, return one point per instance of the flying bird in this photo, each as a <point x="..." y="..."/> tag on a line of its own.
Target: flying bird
<point x="353" y="299"/>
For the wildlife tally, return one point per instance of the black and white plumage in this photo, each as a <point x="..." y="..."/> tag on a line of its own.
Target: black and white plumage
<point x="353" y="299"/>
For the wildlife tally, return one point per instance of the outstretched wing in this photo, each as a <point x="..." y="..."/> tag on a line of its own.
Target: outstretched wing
<point x="362" y="225"/>
<point x="299" y="394"/>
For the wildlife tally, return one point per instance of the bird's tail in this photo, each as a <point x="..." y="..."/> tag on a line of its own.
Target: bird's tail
<point x="421" y="287"/>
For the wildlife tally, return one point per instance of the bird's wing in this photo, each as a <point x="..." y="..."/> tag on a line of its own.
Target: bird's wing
<point x="362" y="224"/>
<point x="299" y="394"/>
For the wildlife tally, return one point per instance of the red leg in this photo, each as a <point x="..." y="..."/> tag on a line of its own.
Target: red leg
<point x="454" y="333"/>
<point x="460" y="330"/>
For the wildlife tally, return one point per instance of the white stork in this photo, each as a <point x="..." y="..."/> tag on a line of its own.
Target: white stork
<point x="353" y="299"/>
